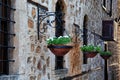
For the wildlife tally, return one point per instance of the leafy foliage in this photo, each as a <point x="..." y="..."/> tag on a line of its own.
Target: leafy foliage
<point x="90" y="48"/>
<point x="58" y="40"/>
<point x="105" y="53"/>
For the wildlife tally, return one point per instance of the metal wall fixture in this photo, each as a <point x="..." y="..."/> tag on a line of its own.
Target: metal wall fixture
<point x="45" y="14"/>
<point x="97" y="38"/>
<point x="109" y="12"/>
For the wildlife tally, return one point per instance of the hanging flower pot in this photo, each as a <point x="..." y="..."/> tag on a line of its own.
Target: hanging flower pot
<point x="105" y="54"/>
<point x="90" y="54"/>
<point x="59" y="50"/>
<point x="57" y="45"/>
<point x="90" y="51"/>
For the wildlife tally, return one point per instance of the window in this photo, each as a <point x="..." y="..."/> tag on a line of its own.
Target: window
<point x="85" y="33"/>
<point x="5" y="35"/>
<point x="60" y="8"/>
<point x="109" y="30"/>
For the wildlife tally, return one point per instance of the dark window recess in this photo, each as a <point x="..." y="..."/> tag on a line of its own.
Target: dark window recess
<point x="59" y="62"/>
<point x="59" y="30"/>
<point x="84" y="43"/>
<point x="5" y="35"/>
<point x="105" y="47"/>
<point x="85" y="35"/>
<point x="109" y="30"/>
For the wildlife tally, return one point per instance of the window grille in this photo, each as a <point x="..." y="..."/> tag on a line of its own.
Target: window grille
<point x="6" y="35"/>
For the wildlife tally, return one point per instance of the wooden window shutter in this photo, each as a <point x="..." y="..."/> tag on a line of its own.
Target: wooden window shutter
<point x="109" y="30"/>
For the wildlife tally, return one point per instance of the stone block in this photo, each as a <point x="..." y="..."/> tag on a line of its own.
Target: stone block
<point x="33" y="12"/>
<point x="32" y="77"/>
<point x="38" y="49"/>
<point x="30" y="23"/>
<point x="29" y="59"/>
<point x="32" y="47"/>
<point x="39" y="65"/>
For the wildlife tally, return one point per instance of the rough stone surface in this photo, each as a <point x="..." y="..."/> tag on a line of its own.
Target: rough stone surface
<point x="33" y="12"/>
<point x="34" y="61"/>
<point x="38" y="49"/>
<point x="114" y="61"/>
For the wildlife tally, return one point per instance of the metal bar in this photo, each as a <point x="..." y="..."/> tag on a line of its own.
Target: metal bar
<point x="3" y="46"/>
<point x="95" y="34"/>
<point x="7" y="33"/>
<point x="105" y="70"/>
<point x="37" y="4"/>
<point x="5" y="19"/>
<point x="38" y="22"/>
<point x="43" y="16"/>
<point x="105" y="65"/>
<point x="92" y="32"/>
<point x="59" y="62"/>
<point x="7" y="6"/>
<point x="84" y="58"/>
<point x="7" y="60"/>
<point x="110" y="13"/>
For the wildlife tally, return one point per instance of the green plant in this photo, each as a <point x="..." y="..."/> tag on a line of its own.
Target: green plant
<point x="97" y="48"/>
<point x="105" y="53"/>
<point x="59" y="40"/>
<point x="90" y="48"/>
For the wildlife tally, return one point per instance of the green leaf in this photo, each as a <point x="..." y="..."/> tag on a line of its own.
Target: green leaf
<point x="90" y="48"/>
<point x="105" y="53"/>
<point x="59" y="40"/>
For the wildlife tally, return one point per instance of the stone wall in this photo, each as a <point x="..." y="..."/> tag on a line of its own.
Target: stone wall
<point x="114" y="66"/>
<point x="38" y="62"/>
<point x="34" y="61"/>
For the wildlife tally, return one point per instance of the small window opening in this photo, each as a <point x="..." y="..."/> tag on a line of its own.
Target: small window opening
<point x="60" y="8"/>
<point x="85" y="35"/>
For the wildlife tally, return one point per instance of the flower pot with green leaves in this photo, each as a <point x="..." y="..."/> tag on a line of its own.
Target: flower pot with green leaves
<point x="90" y="51"/>
<point x="105" y="54"/>
<point x="59" y="45"/>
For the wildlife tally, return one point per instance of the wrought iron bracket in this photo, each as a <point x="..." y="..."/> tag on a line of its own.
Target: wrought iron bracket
<point x="109" y="12"/>
<point x="79" y="31"/>
<point x="42" y="15"/>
